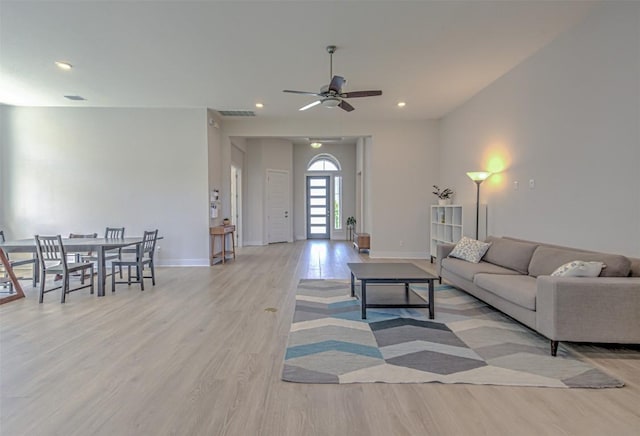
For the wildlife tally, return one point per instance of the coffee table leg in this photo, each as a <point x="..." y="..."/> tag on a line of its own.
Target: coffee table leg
<point x="353" y="290"/>
<point x="432" y="300"/>
<point x="363" y="300"/>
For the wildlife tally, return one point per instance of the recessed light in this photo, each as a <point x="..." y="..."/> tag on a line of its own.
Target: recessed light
<point x="401" y="104"/>
<point x="259" y="105"/>
<point x="315" y="145"/>
<point x="64" y="65"/>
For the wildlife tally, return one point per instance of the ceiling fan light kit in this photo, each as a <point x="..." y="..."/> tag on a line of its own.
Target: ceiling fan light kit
<point x="332" y="95"/>
<point x="330" y="102"/>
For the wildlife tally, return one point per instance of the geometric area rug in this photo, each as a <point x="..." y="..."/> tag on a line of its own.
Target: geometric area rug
<point x="467" y="342"/>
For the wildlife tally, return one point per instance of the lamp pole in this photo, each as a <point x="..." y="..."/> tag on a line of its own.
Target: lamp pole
<point x="477" y="205"/>
<point x="478" y="177"/>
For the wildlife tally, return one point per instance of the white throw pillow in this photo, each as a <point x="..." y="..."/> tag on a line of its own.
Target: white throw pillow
<point x="469" y="249"/>
<point x="579" y="268"/>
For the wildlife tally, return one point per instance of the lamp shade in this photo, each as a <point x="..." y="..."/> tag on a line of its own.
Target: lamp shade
<point x="478" y="176"/>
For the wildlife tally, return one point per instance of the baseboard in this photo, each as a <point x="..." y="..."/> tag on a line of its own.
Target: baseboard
<point x="255" y="243"/>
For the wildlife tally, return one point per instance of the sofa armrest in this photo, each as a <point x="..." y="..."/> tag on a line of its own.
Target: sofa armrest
<point x="442" y="252"/>
<point x="582" y="309"/>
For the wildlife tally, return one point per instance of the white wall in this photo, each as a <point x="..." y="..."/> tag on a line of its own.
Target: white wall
<point x="80" y="170"/>
<point x="568" y="117"/>
<point x="214" y="151"/>
<point x="4" y="141"/>
<point x="261" y="155"/>
<point x="401" y="158"/>
<point x="302" y="155"/>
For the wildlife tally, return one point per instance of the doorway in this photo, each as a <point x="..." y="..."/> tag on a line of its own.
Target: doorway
<point x="278" y="206"/>
<point x="318" y="210"/>
<point x="236" y="201"/>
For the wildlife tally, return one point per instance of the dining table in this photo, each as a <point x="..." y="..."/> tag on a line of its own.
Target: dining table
<point x="74" y="245"/>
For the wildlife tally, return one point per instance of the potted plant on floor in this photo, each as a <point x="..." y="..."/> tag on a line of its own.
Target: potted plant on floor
<point x="444" y="195"/>
<point x="351" y="225"/>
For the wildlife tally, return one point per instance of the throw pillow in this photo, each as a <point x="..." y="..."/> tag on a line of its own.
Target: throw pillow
<point x="579" y="268"/>
<point x="469" y="249"/>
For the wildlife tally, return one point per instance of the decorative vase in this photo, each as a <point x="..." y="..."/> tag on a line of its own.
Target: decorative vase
<point x="444" y="201"/>
<point x="226" y="222"/>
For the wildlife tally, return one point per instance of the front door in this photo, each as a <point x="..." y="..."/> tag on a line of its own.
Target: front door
<point x="318" y="210"/>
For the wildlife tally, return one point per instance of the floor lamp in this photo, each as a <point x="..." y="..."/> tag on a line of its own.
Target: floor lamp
<point x="478" y="177"/>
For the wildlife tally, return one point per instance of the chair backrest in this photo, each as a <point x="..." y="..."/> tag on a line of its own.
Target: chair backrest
<point x="79" y="235"/>
<point x="148" y="243"/>
<point x="114" y="233"/>
<point x="50" y="248"/>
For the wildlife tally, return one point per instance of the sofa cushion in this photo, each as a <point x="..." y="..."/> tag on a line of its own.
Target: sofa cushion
<point x="467" y="270"/>
<point x="517" y="289"/>
<point x="469" y="249"/>
<point x="635" y="267"/>
<point x="579" y="268"/>
<point x="546" y="260"/>
<point x="510" y="254"/>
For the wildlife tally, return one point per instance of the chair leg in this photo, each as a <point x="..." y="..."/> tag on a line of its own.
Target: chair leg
<point x="65" y="287"/>
<point x="42" y="280"/>
<point x="92" y="281"/>
<point x="140" y="271"/>
<point x="153" y="273"/>
<point x="113" y="278"/>
<point x="129" y="275"/>
<point x="34" y="274"/>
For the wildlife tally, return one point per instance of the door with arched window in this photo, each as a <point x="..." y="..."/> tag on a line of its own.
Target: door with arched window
<point x="324" y="196"/>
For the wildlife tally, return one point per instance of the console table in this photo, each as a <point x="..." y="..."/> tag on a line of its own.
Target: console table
<point x="222" y="232"/>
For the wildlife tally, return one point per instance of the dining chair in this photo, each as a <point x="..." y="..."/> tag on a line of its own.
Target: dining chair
<point x="109" y="233"/>
<point x="51" y="249"/>
<point x="144" y="256"/>
<point x="21" y="262"/>
<point x="77" y="257"/>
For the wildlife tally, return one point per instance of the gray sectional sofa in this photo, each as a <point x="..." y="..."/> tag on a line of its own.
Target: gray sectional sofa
<point x="514" y="276"/>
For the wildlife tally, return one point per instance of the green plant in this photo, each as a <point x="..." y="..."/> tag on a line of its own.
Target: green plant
<point x="444" y="194"/>
<point x="351" y="221"/>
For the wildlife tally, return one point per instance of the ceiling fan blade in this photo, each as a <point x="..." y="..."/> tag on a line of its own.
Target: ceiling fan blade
<point x="310" y="105"/>
<point x="302" y="92"/>
<point x="346" y="106"/>
<point x="355" y="94"/>
<point x="337" y="82"/>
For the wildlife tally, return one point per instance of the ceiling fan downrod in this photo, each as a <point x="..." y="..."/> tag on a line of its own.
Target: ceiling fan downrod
<point x="331" y="49"/>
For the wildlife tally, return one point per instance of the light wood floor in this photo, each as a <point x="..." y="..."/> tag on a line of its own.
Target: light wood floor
<point x="198" y="354"/>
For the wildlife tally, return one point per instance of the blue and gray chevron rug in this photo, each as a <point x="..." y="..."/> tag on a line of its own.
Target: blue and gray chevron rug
<point x="467" y="342"/>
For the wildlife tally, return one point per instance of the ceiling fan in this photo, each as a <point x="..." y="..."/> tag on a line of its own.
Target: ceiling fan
<point x="331" y="95"/>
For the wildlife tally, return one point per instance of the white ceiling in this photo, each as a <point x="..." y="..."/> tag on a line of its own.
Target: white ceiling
<point x="230" y="55"/>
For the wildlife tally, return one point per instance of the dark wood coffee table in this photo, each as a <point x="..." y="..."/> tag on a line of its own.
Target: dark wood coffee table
<point x="392" y="274"/>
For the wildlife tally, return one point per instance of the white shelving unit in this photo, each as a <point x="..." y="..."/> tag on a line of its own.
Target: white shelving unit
<point x="446" y="226"/>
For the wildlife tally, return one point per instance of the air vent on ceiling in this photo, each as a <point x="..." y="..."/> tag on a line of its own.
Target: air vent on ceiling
<point x="336" y="139"/>
<point x="74" y="97"/>
<point x="237" y="113"/>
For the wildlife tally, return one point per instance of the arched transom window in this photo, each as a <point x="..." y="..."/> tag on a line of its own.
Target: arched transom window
<point x="324" y="162"/>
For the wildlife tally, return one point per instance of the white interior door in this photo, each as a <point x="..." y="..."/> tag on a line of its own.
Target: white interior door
<point x="277" y="206"/>
<point x="236" y="202"/>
